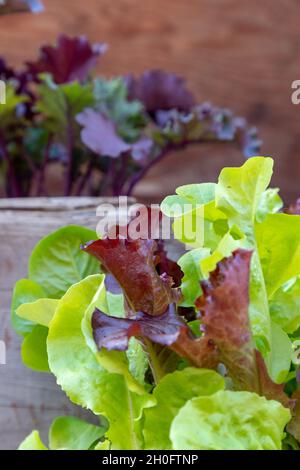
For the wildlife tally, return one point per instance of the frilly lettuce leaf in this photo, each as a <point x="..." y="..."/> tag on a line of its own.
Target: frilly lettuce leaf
<point x="227" y="245"/>
<point x="81" y="376"/>
<point x="280" y="357"/>
<point x="226" y="338"/>
<point x="190" y="265"/>
<point x="228" y="215"/>
<point x="239" y="191"/>
<point x="172" y="392"/>
<point x="270" y="203"/>
<point x="285" y="306"/>
<point x="278" y="240"/>
<point x="239" y="194"/>
<point x="126" y="260"/>
<point x="229" y="421"/>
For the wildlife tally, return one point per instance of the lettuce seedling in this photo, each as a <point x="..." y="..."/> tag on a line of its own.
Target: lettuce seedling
<point x="196" y="355"/>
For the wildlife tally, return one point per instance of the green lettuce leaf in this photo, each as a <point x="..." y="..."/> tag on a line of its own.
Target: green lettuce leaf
<point x="190" y="284"/>
<point x="81" y="376"/>
<point x="285" y="306"/>
<point x="280" y="357"/>
<point x="173" y="391"/>
<point x="32" y="442"/>
<point x="112" y="361"/>
<point x="34" y="349"/>
<point x="270" y="203"/>
<point x="25" y="291"/>
<point x="70" y="433"/>
<point x="227" y="245"/>
<point x="230" y="421"/>
<point x="240" y="194"/>
<point x="239" y="191"/>
<point x="57" y="262"/>
<point x="41" y="311"/>
<point x="278" y="240"/>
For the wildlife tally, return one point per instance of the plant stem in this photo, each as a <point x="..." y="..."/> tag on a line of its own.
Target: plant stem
<point x="12" y="185"/>
<point x="142" y="173"/>
<point x="70" y="146"/>
<point x="123" y="176"/>
<point x="167" y="149"/>
<point x="85" y="177"/>
<point x="41" y="189"/>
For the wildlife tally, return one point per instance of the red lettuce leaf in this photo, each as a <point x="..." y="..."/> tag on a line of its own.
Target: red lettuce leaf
<point x="294" y="425"/>
<point x="132" y="263"/>
<point x="267" y="387"/>
<point x="223" y="310"/>
<point x="71" y="59"/>
<point x="114" y="333"/>
<point x="159" y="90"/>
<point x="225" y="323"/>
<point x="164" y="265"/>
<point x="112" y="285"/>
<point x="99" y="134"/>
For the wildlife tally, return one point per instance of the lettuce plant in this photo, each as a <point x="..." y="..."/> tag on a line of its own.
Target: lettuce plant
<point x="199" y="354"/>
<point x="105" y="133"/>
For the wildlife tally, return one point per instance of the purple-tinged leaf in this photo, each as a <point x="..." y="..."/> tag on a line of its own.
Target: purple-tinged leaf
<point x="132" y="263"/>
<point x="207" y="123"/>
<point x="112" y="285"/>
<point x="166" y="265"/>
<point x="99" y="134"/>
<point x="159" y="90"/>
<point x="114" y="333"/>
<point x="294" y="425"/>
<point x="267" y="387"/>
<point x="71" y="59"/>
<point x="225" y="323"/>
<point x="141" y="149"/>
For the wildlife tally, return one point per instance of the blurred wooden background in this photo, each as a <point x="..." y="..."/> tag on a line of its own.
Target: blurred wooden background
<point x="236" y="53"/>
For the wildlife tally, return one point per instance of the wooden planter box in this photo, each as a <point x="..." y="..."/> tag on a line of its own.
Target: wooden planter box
<point x="30" y="400"/>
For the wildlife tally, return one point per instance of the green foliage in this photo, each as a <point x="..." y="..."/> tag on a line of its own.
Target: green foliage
<point x="230" y="421"/>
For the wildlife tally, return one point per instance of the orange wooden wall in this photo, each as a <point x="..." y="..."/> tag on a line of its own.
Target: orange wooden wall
<point x="237" y="53"/>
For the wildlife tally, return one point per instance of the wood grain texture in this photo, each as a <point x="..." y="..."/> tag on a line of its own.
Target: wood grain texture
<point x="234" y="53"/>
